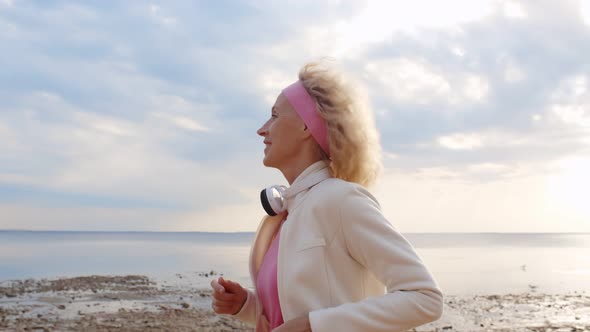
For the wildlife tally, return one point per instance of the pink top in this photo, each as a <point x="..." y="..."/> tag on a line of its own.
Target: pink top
<point x="266" y="285"/>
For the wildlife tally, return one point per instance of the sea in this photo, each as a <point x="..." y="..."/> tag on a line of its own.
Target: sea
<point x="461" y="263"/>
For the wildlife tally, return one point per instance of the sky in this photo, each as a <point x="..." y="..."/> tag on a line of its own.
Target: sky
<point x="142" y="116"/>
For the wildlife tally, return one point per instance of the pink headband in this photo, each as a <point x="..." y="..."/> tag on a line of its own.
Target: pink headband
<point x="306" y="108"/>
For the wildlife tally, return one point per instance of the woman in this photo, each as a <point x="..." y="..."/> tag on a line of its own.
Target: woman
<point x="328" y="260"/>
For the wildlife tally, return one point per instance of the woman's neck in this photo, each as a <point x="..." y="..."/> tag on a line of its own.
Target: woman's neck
<point x="295" y="169"/>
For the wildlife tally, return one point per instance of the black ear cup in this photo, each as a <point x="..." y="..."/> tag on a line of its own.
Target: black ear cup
<point x="274" y="199"/>
<point x="266" y="203"/>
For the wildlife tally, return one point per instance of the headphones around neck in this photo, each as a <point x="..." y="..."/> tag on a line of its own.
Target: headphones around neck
<point x="274" y="198"/>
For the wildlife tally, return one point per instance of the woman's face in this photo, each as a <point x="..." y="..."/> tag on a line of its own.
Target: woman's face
<point x="282" y="134"/>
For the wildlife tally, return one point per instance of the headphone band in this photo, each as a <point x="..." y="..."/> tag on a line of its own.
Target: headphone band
<point x="274" y="199"/>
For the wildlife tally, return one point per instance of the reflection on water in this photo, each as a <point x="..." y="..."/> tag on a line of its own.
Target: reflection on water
<point x="461" y="263"/>
<point x="512" y="240"/>
<point x="53" y="254"/>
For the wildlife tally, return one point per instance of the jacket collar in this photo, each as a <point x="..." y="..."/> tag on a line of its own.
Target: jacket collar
<point x="312" y="175"/>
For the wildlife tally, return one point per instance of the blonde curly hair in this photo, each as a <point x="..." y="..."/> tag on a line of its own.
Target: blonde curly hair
<point x="355" y="153"/>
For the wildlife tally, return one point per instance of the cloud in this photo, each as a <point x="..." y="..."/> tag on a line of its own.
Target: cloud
<point x="500" y="70"/>
<point x="513" y="73"/>
<point x="156" y="12"/>
<point x="413" y="82"/>
<point x="182" y="122"/>
<point x="571" y="102"/>
<point x="88" y="153"/>
<point x="149" y="111"/>
<point x="408" y="81"/>
<point x="460" y="141"/>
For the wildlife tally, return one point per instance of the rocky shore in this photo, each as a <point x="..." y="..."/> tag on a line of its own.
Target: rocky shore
<point x="137" y="303"/>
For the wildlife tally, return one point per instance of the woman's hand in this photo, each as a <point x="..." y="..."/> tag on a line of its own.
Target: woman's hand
<point x="299" y="324"/>
<point x="228" y="296"/>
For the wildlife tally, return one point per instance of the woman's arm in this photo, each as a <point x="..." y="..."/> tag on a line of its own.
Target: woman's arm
<point x="412" y="297"/>
<point x="231" y="298"/>
<point x="248" y="311"/>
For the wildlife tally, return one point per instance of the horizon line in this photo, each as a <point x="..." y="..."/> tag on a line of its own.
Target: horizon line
<point x="237" y="232"/>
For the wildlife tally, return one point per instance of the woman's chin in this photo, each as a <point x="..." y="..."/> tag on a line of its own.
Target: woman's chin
<point x="266" y="162"/>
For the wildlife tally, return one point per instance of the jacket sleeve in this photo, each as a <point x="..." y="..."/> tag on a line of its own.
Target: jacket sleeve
<point x="248" y="311"/>
<point x="412" y="297"/>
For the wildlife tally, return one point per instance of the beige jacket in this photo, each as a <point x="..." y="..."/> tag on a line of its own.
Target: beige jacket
<point x="342" y="262"/>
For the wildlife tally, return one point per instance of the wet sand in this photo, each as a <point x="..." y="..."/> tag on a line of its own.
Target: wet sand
<point x="137" y="303"/>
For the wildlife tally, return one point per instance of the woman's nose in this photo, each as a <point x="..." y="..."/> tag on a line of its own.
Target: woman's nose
<point x="262" y="130"/>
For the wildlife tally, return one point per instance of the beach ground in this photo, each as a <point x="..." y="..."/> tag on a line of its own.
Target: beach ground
<point x="137" y="303"/>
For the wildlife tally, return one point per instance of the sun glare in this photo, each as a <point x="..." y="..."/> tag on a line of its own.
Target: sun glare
<point x="570" y="188"/>
<point x="380" y="19"/>
<point x="514" y="10"/>
<point x="585" y="9"/>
